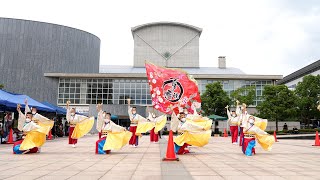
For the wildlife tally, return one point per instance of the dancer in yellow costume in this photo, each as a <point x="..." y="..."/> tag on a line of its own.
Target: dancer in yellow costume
<point x="195" y="131"/>
<point x="113" y="135"/>
<point x="254" y="130"/>
<point x="79" y="125"/>
<point x="153" y="124"/>
<point x="35" y="128"/>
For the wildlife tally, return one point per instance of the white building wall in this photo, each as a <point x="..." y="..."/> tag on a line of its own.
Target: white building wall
<point x="152" y="42"/>
<point x="294" y="83"/>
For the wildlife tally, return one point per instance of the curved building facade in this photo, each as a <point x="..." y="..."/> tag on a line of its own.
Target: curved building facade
<point x="167" y="44"/>
<point x="28" y="49"/>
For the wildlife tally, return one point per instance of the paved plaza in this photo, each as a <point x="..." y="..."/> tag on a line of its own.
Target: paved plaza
<point x="289" y="159"/>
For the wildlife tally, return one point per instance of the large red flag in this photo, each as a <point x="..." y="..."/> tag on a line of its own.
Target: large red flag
<point x="171" y="88"/>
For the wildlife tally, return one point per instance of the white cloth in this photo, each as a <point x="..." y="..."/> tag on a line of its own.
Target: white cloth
<point x="232" y="121"/>
<point x="252" y="129"/>
<point x="26" y="126"/>
<point x="74" y="119"/>
<point x="134" y="119"/>
<point x="30" y="126"/>
<point x="113" y="127"/>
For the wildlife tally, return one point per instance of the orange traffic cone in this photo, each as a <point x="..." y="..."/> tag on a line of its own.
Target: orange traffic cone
<point x="50" y="135"/>
<point x="225" y="134"/>
<point x="170" y="155"/>
<point x="275" y="136"/>
<point x="316" y="140"/>
<point x="10" y="138"/>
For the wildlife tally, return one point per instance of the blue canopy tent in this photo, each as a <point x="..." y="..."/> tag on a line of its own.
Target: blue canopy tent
<point x="9" y="101"/>
<point x="58" y="110"/>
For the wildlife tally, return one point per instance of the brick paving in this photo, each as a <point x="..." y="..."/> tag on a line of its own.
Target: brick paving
<point x="289" y="159"/>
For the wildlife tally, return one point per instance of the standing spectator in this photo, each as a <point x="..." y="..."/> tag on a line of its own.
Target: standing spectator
<point x="285" y="127"/>
<point x="66" y="128"/>
<point x="8" y="124"/>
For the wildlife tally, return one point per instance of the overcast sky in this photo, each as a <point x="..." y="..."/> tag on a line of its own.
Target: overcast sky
<point x="258" y="37"/>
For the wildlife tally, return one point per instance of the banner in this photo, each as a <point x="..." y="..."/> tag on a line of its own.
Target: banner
<point x="171" y="89"/>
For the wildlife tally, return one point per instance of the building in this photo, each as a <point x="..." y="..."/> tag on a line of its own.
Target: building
<point x="166" y="44"/>
<point x="28" y="49"/>
<point x="86" y="84"/>
<point x="292" y="79"/>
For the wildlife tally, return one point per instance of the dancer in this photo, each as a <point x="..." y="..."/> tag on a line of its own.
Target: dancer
<point x="233" y="121"/>
<point x="34" y="130"/>
<point x="153" y="124"/>
<point x="134" y="119"/>
<point x="113" y="136"/>
<point x="243" y="118"/>
<point x="254" y="130"/>
<point x="195" y="132"/>
<point x="79" y="125"/>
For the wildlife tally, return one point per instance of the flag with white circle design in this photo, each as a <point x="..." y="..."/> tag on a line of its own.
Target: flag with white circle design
<point x="171" y="88"/>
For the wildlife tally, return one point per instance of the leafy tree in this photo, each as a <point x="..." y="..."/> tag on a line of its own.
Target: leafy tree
<point x="278" y="103"/>
<point x="244" y="95"/>
<point x="308" y="93"/>
<point x="1" y="86"/>
<point x="214" y="99"/>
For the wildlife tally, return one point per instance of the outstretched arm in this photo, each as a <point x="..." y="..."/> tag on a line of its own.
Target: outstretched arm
<point x="41" y="118"/>
<point x="21" y="118"/>
<point x="99" y="118"/>
<point x="238" y="110"/>
<point x="68" y="116"/>
<point x="129" y="109"/>
<point x="228" y="112"/>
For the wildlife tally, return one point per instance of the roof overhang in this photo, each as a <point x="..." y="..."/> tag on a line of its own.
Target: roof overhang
<point x="134" y="29"/>
<point x="301" y="72"/>
<point x="140" y="75"/>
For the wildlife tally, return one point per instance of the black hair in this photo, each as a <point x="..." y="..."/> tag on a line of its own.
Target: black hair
<point x="134" y="107"/>
<point x="105" y="111"/>
<point x="109" y="114"/>
<point x="29" y="113"/>
<point x="181" y="113"/>
<point x="233" y="111"/>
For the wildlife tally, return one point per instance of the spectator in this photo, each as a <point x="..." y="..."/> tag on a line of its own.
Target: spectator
<point x="66" y="128"/>
<point x="295" y="130"/>
<point x="285" y="127"/>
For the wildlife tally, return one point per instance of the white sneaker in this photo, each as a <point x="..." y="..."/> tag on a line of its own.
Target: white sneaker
<point x="135" y="146"/>
<point x="73" y="145"/>
<point x="39" y="150"/>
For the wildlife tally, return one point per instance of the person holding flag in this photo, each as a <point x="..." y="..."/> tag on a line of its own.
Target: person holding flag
<point x="171" y="90"/>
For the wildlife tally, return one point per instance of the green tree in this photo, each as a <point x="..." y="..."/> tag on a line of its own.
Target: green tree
<point x="1" y="86"/>
<point x="244" y="95"/>
<point x="308" y="93"/>
<point x="278" y="103"/>
<point x="214" y="99"/>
